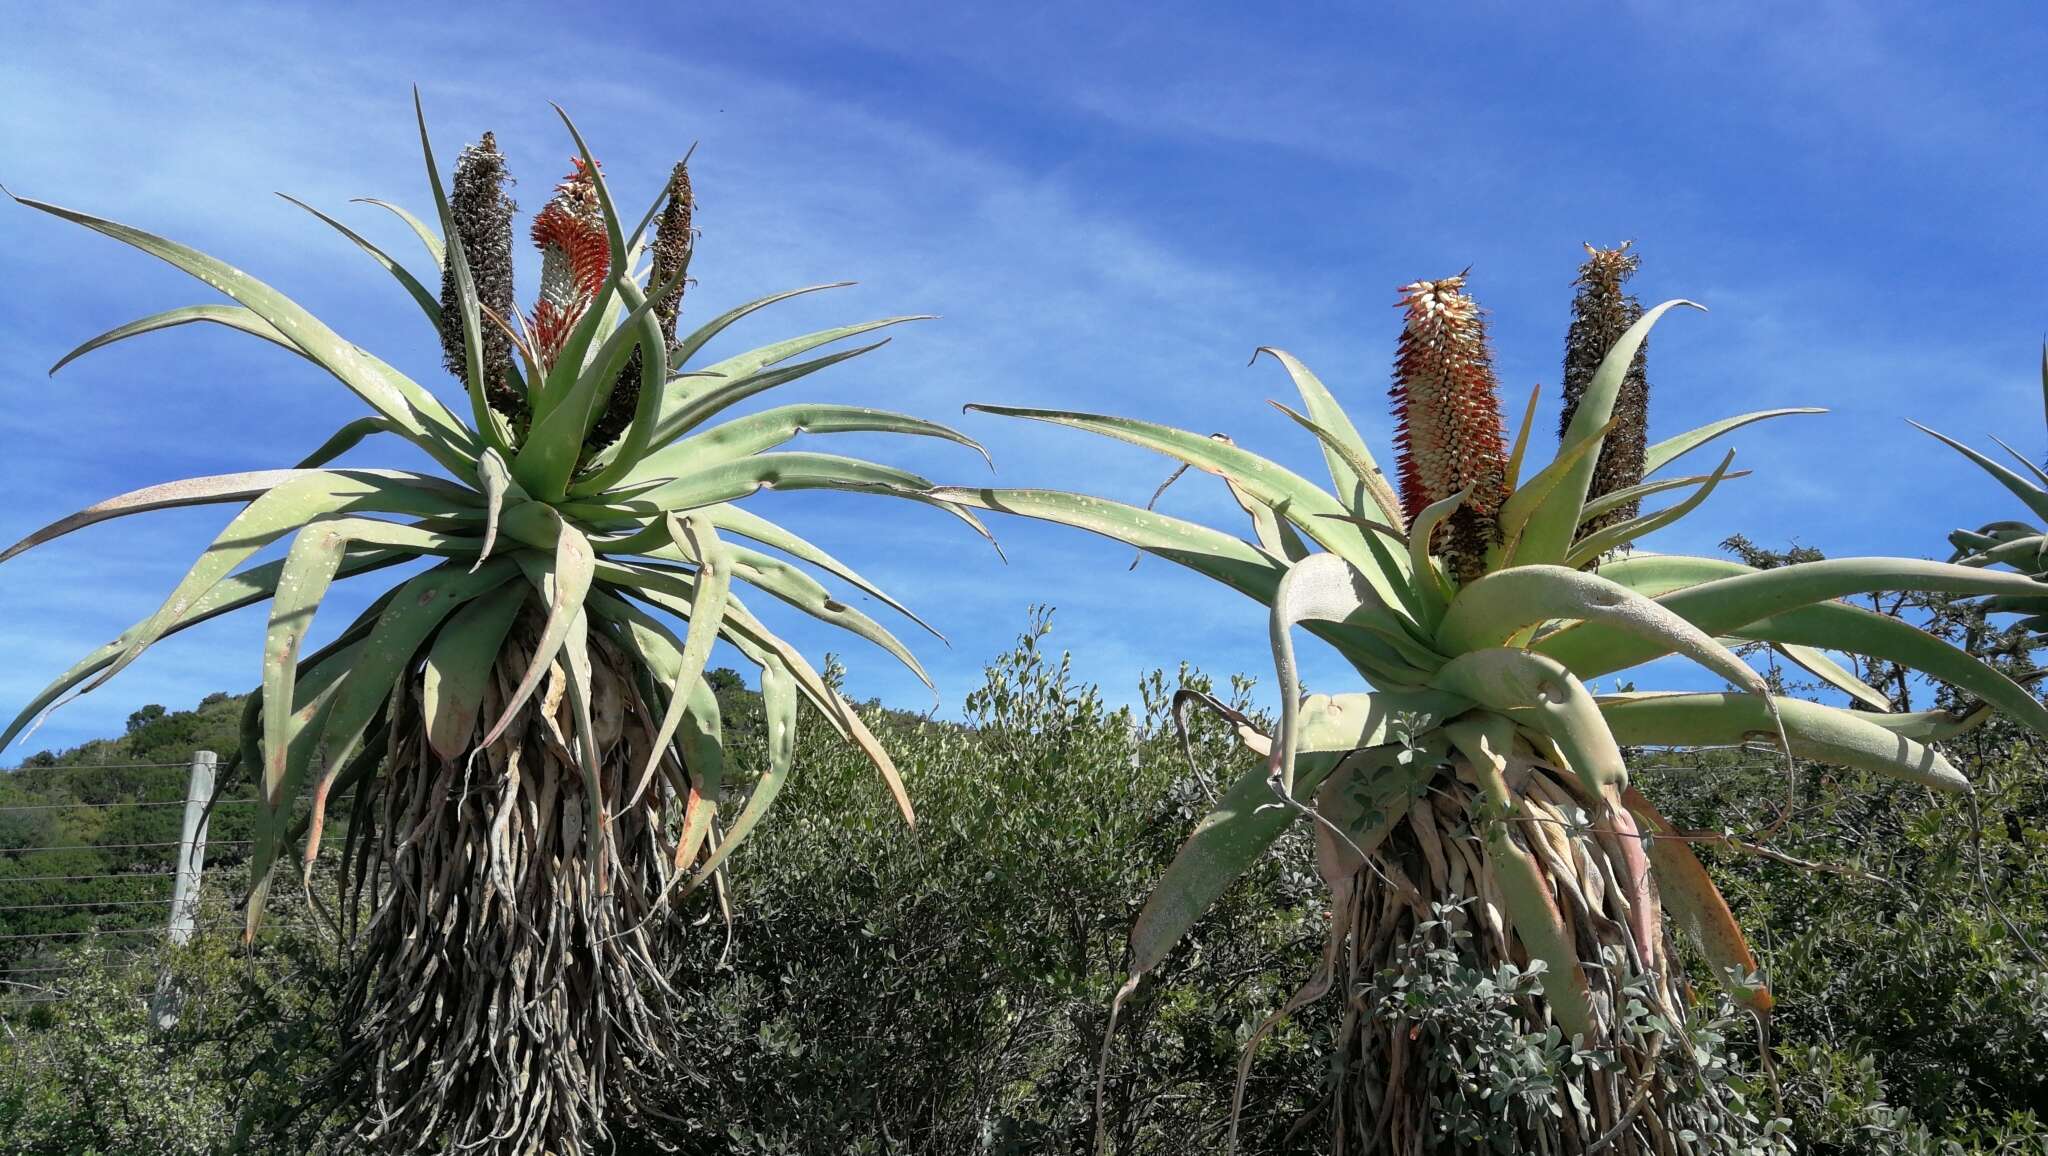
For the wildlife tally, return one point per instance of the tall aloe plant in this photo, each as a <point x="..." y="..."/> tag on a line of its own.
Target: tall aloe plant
<point x="1481" y="772"/>
<point x="533" y="753"/>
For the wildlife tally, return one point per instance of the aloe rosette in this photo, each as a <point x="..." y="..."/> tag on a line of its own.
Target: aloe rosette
<point x="533" y="752"/>
<point x="1481" y="772"/>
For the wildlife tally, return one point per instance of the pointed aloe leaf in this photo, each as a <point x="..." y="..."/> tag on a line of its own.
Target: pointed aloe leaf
<point x="276" y="513"/>
<point x="1818" y="664"/>
<point x="233" y="316"/>
<point x="2040" y="475"/>
<point x="713" y="583"/>
<point x="1688" y="892"/>
<point x="1541" y="692"/>
<point x="1530" y="496"/>
<point x="1357" y="477"/>
<point x="791" y="470"/>
<point x="741" y="376"/>
<point x="2034" y="496"/>
<point x="1513" y="474"/>
<point x="1230" y="838"/>
<point x="459" y="667"/>
<point x="1551" y="526"/>
<point x="1291" y="495"/>
<point x="1856" y="630"/>
<point x="736" y="520"/>
<point x="1429" y="582"/>
<point x="1823" y="734"/>
<point x="575" y="657"/>
<point x="1323" y="587"/>
<point x="419" y="416"/>
<point x="301" y="729"/>
<point x="689" y="346"/>
<point x="1487" y="741"/>
<point x="1622" y="533"/>
<point x="345" y="439"/>
<point x="770" y="428"/>
<point x="2027" y="554"/>
<point x="207" y="490"/>
<point x="548" y="459"/>
<point x="494" y="478"/>
<point x="309" y="570"/>
<point x="1739" y="596"/>
<point x="427" y="302"/>
<point x="1665" y="452"/>
<point x="1230" y="560"/>
<point x="391" y="649"/>
<point x="429" y="240"/>
<point x="700" y="734"/>
<point x="564" y="582"/>
<point x="1498" y="606"/>
<point x="1276" y="537"/>
<point x="778" y="707"/>
<point x="796" y="588"/>
<point x="1622" y="497"/>
<point x="245" y="588"/>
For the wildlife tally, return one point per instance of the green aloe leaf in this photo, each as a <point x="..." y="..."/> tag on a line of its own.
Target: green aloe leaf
<point x="1548" y="535"/>
<point x="735" y="520"/>
<point x="2034" y="496"/>
<point x="429" y="240"/>
<point x="233" y="316"/>
<point x="1818" y="664"/>
<point x="1293" y="496"/>
<point x="713" y="582"/>
<point x="428" y="302"/>
<point x="1352" y="469"/>
<point x="1665" y="452"/>
<point x="725" y="383"/>
<point x="1821" y="733"/>
<point x="778" y="706"/>
<point x="343" y="440"/>
<point x="417" y="414"/>
<point x="1621" y="534"/>
<point x="459" y="667"/>
<point x="1539" y="690"/>
<point x="1627" y="494"/>
<point x="770" y="428"/>
<point x="564" y="581"/>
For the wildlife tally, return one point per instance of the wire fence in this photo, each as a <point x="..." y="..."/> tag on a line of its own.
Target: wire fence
<point x="45" y="913"/>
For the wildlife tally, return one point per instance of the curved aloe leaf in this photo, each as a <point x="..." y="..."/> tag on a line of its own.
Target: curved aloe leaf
<point x="1356" y="475"/>
<point x="1818" y="664"/>
<point x="1487" y="741"/>
<point x="1665" y="452"/>
<point x="1621" y="534"/>
<point x="429" y="240"/>
<point x="1523" y="684"/>
<point x="233" y="316"/>
<point x="778" y="707"/>
<point x="713" y="581"/>
<point x="564" y="581"/>
<point x="459" y="667"/>
<point x="770" y="428"/>
<point x="417" y="414"/>
<point x="1820" y="733"/>
<point x="736" y="520"/>
<point x="428" y="302"/>
<point x="1551" y="526"/>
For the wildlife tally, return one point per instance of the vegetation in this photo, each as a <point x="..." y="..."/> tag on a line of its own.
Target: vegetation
<point x="862" y="1005"/>
<point x="510" y="981"/>
<point x="1474" y="814"/>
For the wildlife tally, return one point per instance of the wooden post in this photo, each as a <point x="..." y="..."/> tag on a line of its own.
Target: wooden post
<point x="192" y="848"/>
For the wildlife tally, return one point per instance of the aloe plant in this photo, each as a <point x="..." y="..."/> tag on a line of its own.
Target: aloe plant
<point x="2013" y="543"/>
<point x="1481" y="776"/>
<point x="533" y="752"/>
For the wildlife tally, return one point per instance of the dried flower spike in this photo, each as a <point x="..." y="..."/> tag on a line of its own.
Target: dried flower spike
<point x="483" y="219"/>
<point x="1601" y="313"/>
<point x="1448" y="424"/>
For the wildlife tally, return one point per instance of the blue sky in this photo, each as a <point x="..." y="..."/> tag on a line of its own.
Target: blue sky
<point x="1110" y="206"/>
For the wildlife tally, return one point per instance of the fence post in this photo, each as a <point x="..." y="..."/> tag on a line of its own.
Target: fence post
<point x="192" y="848"/>
<point x="166" y="1002"/>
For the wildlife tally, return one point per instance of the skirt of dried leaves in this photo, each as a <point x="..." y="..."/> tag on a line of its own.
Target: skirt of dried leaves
<point x="509" y="995"/>
<point x="1447" y="1043"/>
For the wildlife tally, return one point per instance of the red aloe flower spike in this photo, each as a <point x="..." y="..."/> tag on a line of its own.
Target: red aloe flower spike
<point x="1448" y="422"/>
<point x="575" y="257"/>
